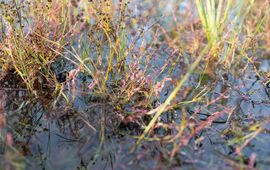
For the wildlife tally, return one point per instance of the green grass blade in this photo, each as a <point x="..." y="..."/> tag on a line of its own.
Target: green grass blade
<point x="170" y="98"/>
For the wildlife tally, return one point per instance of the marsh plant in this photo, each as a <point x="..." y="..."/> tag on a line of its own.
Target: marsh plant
<point x="154" y="66"/>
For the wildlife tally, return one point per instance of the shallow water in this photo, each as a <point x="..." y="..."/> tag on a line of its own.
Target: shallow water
<point x="58" y="138"/>
<point x="87" y="134"/>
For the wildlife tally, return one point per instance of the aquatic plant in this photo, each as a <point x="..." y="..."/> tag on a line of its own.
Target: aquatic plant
<point x="155" y="72"/>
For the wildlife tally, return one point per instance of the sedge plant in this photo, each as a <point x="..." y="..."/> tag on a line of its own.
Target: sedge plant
<point x="212" y="20"/>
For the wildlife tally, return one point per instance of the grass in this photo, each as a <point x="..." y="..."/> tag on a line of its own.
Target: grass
<point x="142" y="65"/>
<point x="213" y="18"/>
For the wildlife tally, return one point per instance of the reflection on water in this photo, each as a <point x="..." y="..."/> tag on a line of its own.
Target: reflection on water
<point x="88" y="136"/>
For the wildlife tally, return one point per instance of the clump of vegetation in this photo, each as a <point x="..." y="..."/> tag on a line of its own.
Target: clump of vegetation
<point x="157" y="68"/>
